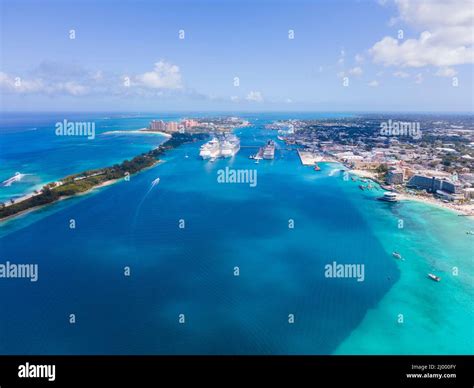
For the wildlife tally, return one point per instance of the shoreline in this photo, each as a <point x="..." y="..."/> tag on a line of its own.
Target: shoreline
<point x="99" y="186"/>
<point x="68" y="188"/>
<point x="463" y="210"/>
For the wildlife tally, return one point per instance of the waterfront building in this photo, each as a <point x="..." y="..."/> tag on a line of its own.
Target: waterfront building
<point x="395" y="177"/>
<point x="434" y="184"/>
<point x="172" y="126"/>
<point x="157" y="125"/>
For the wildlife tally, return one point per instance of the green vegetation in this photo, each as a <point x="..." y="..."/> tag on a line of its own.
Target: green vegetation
<point x="382" y="172"/>
<point x="79" y="183"/>
<point x="382" y="169"/>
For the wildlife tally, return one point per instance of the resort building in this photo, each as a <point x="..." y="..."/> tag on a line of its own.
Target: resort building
<point x="442" y="187"/>
<point x="395" y="177"/>
<point x="172" y="126"/>
<point x="157" y="125"/>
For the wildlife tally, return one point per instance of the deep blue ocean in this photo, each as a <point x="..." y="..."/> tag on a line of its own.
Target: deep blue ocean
<point x="188" y="272"/>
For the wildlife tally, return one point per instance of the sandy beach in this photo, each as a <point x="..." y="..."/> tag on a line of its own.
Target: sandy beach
<point x="364" y="174"/>
<point x="103" y="184"/>
<point x="29" y="195"/>
<point x="467" y="209"/>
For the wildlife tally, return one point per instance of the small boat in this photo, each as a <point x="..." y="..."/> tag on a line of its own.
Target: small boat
<point x="186" y="156"/>
<point x="155" y="182"/>
<point x="471" y="232"/>
<point x="434" y="277"/>
<point x="397" y="255"/>
<point x="317" y="168"/>
<point x="353" y="179"/>
<point x="257" y="160"/>
<point x="361" y="187"/>
<point x="212" y="160"/>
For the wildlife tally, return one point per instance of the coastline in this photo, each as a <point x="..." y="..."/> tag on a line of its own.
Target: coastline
<point x="140" y="131"/>
<point x="70" y="188"/>
<point x="62" y="198"/>
<point x="463" y="210"/>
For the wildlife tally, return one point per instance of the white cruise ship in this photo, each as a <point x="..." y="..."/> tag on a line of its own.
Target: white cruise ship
<point x="269" y="150"/>
<point x="230" y="145"/>
<point x="210" y="150"/>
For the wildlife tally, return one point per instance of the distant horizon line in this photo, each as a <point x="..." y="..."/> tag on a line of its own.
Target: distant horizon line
<point x="236" y="112"/>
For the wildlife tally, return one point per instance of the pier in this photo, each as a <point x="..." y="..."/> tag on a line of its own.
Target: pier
<point x="309" y="158"/>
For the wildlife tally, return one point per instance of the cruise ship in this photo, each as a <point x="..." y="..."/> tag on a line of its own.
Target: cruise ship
<point x="230" y="145"/>
<point x="269" y="150"/>
<point x="210" y="150"/>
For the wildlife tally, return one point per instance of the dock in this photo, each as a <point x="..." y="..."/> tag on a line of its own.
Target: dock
<point x="309" y="158"/>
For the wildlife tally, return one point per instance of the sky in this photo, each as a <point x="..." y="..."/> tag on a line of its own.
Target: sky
<point x="227" y="55"/>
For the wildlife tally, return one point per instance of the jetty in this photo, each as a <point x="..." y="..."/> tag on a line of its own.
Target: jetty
<point x="310" y="158"/>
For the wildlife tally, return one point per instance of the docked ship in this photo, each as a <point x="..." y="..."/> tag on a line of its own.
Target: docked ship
<point x="230" y="145"/>
<point x="269" y="150"/>
<point x="210" y="150"/>
<point x="388" y="197"/>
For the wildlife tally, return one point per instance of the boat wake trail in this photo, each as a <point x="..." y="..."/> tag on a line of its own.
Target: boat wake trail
<point x="153" y="184"/>
<point x="333" y="171"/>
<point x="15" y="178"/>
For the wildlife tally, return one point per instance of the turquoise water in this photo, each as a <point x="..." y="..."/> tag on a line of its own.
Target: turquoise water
<point x="190" y="271"/>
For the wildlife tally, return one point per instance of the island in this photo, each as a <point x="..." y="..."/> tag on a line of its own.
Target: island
<point x="90" y="179"/>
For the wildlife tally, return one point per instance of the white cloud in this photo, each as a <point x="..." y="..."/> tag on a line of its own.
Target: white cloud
<point x="356" y="71"/>
<point x="19" y="85"/>
<point x="54" y="78"/>
<point x="342" y="56"/>
<point x="71" y="87"/>
<point x="235" y="98"/>
<point x="419" y="53"/>
<point x="288" y="100"/>
<point x="446" y="38"/>
<point x="341" y="74"/>
<point x="359" y="58"/>
<point x="401" y="74"/>
<point x="446" y="72"/>
<point x="419" y="78"/>
<point x="254" y="96"/>
<point x="373" y="84"/>
<point x="163" y="76"/>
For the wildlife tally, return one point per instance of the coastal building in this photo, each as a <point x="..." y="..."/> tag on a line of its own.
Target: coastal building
<point x="172" y="126"/>
<point x="157" y="125"/>
<point x="395" y="177"/>
<point x="190" y="123"/>
<point x="442" y="187"/>
<point x="452" y="197"/>
<point x="423" y="182"/>
<point x="469" y="193"/>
